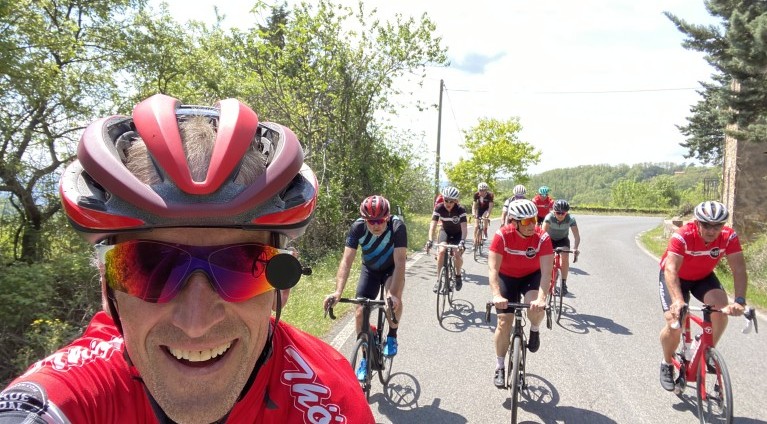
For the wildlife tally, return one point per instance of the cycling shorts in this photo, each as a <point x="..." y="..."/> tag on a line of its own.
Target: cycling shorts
<point x="565" y="242"/>
<point x="513" y="288"/>
<point x="481" y="212"/>
<point x="698" y="288"/>
<point x="449" y="238"/>
<point x="371" y="281"/>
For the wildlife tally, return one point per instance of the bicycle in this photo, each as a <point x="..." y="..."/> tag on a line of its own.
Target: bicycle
<point x="479" y="236"/>
<point x="515" y="368"/>
<point x="446" y="286"/>
<point x="697" y="358"/>
<point x="556" y="292"/>
<point x="371" y="340"/>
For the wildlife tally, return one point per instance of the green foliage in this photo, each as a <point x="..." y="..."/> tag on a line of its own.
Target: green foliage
<point x="494" y="150"/>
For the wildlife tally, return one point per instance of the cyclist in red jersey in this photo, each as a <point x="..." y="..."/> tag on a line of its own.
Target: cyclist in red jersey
<point x="482" y="206"/>
<point x="520" y="256"/>
<point x="687" y="267"/>
<point x="190" y="231"/>
<point x="544" y="203"/>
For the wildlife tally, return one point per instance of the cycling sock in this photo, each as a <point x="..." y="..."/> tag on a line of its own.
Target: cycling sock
<point x="534" y="328"/>
<point x="499" y="362"/>
<point x="392" y="332"/>
<point x="564" y="280"/>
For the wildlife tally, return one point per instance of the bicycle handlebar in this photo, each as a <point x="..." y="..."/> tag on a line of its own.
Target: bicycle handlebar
<point x="749" y="314"/>
<point x="560" y="250"/>
<point x="366" y="302"/>
<point x="489" y="307"/>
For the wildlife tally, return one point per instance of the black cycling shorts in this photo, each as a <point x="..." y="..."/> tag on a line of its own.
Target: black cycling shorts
<point x="514" y="289"/>
<point x="449" y="238"/>
<point x="371" y="281"/>
<point x="698" y="288"/>
<point x="565" y="242"/>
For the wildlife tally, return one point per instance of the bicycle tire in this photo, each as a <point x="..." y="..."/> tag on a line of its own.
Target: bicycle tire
<point x="442" y="293"/>
<point x="559" y="294"/>
<point x="714" y="394"/>
<point x="513" y="379"/>
<point x="361" y="351"/>
<point x="451" y="285"/>
<point x="384" y="368"/>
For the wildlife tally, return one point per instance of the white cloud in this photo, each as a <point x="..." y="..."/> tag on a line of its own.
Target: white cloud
<point x="585" y="78"/>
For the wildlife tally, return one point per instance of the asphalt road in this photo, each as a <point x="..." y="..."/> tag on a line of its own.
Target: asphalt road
<point x="600" y="365"/>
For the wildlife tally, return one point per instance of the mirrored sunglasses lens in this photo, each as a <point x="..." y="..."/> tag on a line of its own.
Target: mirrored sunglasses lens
<point x="150" y="271"/>
<point x="239" y="270"/>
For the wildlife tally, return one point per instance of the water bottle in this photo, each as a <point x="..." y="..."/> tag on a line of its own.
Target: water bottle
<point x="690" y="353"/>
<point x="687" y="351"/>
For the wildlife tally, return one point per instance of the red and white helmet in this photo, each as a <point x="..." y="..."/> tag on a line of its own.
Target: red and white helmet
<point x="102" y="197"/>
<point x="374" y="207"/>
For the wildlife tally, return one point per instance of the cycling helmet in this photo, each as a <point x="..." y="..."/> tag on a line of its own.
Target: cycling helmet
<point x="519" y="190"/>
<point x="521" y="209"/>
<point x="483" y="186"/>
<point x="102" y="197"/>
<point x="450" y="193"/>
<point x="711" y="212"/>
<point x="374" y="207"/>
<point x="543" y="191"/>
<point x="561" y="205"/>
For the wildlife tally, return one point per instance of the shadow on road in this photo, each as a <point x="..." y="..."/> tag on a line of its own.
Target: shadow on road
<point x="541" y="399"/>
<point x="463" y="316"/>
<point x="400" y="403"/>
<point x="584" y="324"/>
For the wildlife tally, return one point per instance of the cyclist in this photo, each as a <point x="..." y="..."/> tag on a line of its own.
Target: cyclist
<point x="558" y="224"/>
<point x="520" y="254"/>
<point x="189" y="227"/>
<point x="520" y="192"/>
<point x="482" y="207"/>
<point x="687" y="267"/>
<point x="383" y="238"/>
<point x="544" y="203"/>
<point x="453" y="218"/>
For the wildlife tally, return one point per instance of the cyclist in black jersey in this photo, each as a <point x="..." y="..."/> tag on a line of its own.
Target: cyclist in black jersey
<point x="454" y="230"/>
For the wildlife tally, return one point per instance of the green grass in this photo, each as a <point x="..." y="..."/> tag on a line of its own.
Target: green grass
<point x="304" y="308"/>
<point x="756" y="265"/>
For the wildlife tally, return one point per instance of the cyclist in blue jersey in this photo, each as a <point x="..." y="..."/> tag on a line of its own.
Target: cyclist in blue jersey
<point x="558" y="223"/>
<point x="383" y="238"/>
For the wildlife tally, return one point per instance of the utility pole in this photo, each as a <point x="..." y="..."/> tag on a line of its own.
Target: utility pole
<point x="439" y="135"/>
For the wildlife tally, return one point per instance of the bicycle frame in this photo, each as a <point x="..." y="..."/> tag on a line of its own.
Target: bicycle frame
<point x="446" y="287"/>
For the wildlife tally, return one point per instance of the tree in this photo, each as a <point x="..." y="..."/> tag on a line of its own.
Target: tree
<point x="55" y="73"/>
<point x="738" y="52"/>
<point x="494" y="151"/>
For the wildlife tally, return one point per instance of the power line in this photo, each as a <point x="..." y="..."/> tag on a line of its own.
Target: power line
<point x="643" y="90"/>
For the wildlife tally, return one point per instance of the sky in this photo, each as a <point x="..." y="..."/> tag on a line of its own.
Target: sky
<point x="591" y="81"/>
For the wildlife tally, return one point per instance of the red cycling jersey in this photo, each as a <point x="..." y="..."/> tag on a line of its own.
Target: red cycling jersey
<point x="544" y="204"/>
<point x="303" y="381"/>
<point x="699" y="258"/>
<point x="521" y="255"/>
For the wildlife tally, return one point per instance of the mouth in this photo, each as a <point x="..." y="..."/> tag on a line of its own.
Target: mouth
<point x="199" y="358"/>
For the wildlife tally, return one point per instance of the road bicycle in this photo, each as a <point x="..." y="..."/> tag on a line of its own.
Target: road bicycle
<point x="371" y="339"/>
<point x="698" y="360"/>
<point x="517" y="355"/>
<point x="446" y="280"/>
<point x="479" y="236"/>
<point x="556" y="292"/>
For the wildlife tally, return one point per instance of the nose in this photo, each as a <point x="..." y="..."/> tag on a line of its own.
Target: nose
<point x="198" y="307"/>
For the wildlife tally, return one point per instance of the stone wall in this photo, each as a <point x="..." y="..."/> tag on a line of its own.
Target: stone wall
<point x="744" y="186"/>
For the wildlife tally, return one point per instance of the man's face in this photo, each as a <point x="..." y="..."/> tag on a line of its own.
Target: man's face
<point x="526" y="226"/>
<point x="560" y="216"/>
<point x="196" y="352"/>
<point x="709" y="232"/>
<point x="450" y="203"/>
<point x="377" y="226"/>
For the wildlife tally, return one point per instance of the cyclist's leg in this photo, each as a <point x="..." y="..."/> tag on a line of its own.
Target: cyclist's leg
<point x="565" y="242"/>
<point x="477" y="230"/>
<point x="709" y="291"/>
<point x="509" y="288"/>
<point x="530" y="286"/>
<point x="457" y="254"/>
<point x="440" y="257"/>
<point x="367" y="287"/>
<point x="669" y="337"/>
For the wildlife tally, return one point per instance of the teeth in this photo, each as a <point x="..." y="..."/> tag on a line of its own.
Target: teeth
<point x="199" y="355"/>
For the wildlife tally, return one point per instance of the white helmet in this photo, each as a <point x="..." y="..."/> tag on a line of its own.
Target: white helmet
<point x="520" y="190"/>
<point x="483" y="186"/>
<point x="521" y="209"/>
<point x="711" y="212"/>
<point x="450" y="192"/>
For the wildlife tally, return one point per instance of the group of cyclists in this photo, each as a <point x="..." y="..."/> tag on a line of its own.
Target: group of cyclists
<point x="190" y="210"/>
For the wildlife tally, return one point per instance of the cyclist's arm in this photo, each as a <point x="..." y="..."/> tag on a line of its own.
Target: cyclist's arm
<point x="576" y="237"/>
<point x="494" y="260"/>
<point x="432" y="227"/>
<point x="672" y="265"/>
<point x="546" y="225"/>
<point x="737" y="264"/>
<point x="464" y="231"/>
<point x="398" y="277"/>
<point x="343" y="270"/>
<point x="489" y="209"/>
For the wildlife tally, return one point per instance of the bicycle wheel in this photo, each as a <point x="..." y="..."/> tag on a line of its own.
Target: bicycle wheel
<point x="514" y="371"/>
<point x="477" y="250"/>
<point x="451" y="284"/>
<point x="385" y="362"/>
<point x="361" y="352"/>
<point x="714" y="389"/>
<point x="549" y="308"/>
<point x="442" y="293"/>
<point x="558" y="295"/>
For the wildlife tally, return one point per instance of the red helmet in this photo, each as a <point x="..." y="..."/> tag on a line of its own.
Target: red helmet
<point x="374" y="207"/>
<point x="102" y="197"/>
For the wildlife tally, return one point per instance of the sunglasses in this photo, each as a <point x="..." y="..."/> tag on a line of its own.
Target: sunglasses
<point x="560" y="213"/>
<point x="450" y="200"/>
<point x="376" y="221"/>
<point x="527" y="221"/>
<point x="156" y="272"/>
<point x="708" y="226"/>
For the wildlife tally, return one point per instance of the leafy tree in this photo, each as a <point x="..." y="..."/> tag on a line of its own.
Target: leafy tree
<point x="494" y="151"/>
<point x="738" y="52"/>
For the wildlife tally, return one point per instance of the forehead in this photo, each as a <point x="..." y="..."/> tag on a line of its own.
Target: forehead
<point x="203" y="236"/>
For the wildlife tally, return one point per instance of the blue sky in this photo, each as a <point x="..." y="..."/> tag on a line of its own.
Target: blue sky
<point x="592" y="81"/>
